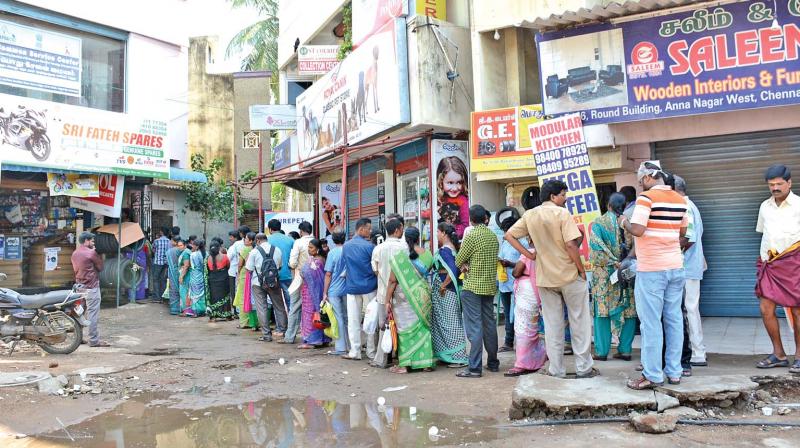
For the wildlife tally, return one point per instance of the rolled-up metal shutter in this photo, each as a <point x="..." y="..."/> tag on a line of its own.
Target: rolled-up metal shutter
<point x="725" y="178"/>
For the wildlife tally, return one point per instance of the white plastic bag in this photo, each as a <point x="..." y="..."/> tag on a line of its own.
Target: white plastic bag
<point x="371" y="318"/>
<point x="386" y="340"/>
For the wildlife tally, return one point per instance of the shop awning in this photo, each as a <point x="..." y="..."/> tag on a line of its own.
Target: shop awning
<point x="39" y="169"/>
<point x="182" y="175"/>
<point x="609" y="11"/>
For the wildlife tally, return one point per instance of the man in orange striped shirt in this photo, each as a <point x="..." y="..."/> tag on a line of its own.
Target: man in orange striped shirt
<point x="659" y="221"/>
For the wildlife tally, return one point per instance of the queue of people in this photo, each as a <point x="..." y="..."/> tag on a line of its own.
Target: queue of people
<point x="646" y="259"/>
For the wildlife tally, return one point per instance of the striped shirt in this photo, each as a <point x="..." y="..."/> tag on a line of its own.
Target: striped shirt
<point x="663" y="212"/>
<point x="160" y="248"/>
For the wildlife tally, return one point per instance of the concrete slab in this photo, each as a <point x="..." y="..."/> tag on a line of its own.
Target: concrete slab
<point x="541" y="394"/>
<point x="10" y="379"/>
<point x="710" y="389"/>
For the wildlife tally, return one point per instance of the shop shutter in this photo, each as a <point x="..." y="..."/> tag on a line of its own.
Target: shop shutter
<point x="368" y="206"/>
<point x="725" y="178"/>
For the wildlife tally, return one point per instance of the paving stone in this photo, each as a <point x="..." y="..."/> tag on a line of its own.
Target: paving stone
<point x="558" y="395"/>
<point x="710" y="388"/>
<point x="665" y="402"/>
<point x="50" y="386"/>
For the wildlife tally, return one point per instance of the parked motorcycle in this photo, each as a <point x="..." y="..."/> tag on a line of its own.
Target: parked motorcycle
<point x="53" y="320"/>
<point x="26" y="129"/>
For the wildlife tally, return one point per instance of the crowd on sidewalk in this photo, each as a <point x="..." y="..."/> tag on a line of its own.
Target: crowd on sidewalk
<point x="397" y="301"/>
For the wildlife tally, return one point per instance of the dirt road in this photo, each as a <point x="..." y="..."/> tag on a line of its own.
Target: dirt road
<point x="164" y="383"/>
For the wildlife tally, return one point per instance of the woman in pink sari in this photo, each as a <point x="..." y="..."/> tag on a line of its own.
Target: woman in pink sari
<point x="313" y="273"/>
<point x="529" y="347"/>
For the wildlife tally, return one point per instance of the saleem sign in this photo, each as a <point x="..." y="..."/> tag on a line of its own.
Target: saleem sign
<point x="53" y="135"/>
<point x="41" y="60"/>
<point x="498" y="140"/>
<point x="560" y="152"/>
<point x="717" y="59"/>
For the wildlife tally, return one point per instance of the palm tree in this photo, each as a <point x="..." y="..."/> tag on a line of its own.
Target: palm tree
<point x="262" y="38"/>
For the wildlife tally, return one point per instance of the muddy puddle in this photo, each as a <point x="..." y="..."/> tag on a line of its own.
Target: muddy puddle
<point x="150" y="422"/>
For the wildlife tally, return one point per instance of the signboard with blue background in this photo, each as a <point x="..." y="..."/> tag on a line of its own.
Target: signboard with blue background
<point x="721" y="58"/>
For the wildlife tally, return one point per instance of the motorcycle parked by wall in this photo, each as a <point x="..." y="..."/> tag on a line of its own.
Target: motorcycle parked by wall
<point x="53" y="320"/>
<point x="26" y="129"/>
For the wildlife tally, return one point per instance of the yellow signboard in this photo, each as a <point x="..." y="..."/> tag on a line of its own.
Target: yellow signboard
<point x="432" y="8"/>
<point x="499" y="138"/>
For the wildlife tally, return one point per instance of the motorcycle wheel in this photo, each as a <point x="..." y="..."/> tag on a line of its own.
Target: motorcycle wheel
<point x="39" y="146"/>
<point x="73" y="340"/>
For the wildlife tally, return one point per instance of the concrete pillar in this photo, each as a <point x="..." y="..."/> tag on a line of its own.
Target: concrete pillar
<point x="515" y="66"/>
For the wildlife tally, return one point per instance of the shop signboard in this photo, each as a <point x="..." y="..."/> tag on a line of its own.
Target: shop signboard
<point x="285" y="154"/>
<point x="317" y="59"/>
<point x="273" y="117"/>
<point x="32" y="58"/>
<point x="109" y="203"/>
<point x="290" y="221"/>
<point x="77" y="185"/>
<point x="59" y="136"/>
<point x="51" y="258"/>
<point x="742" y="55"/>
<point x="365" y="95"/>
<point x="432" y="8"/>
<point x="330" y="207"/>
<point x="369" y="16"/>
<point x="560" y="152"/>
<point x="450" y="159"/>
<point x="496" y="144"/>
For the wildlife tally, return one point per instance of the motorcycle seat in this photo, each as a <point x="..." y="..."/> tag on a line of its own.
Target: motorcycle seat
<point x="39" y="300"/>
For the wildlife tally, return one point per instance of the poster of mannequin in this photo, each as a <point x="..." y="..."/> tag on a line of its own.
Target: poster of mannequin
<point x="451" y="184"/>
<point x="330" y="208"/>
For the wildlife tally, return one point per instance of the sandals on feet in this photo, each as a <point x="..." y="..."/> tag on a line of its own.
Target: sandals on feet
<point x="623" y="356"/>
<point x="516" y="371"/>
<point x="643" y="384"/>
<point x="466" y="373"/>
<point x="398" y="370"/>
<point x="590" y="374"/>
<point x="772" y="361"/>
<point x="795" y="369"/>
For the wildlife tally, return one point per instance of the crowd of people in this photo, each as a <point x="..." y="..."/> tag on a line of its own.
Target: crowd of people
<point x="646" y="259"/>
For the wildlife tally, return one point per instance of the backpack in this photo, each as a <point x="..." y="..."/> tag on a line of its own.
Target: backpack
<point x="268" y="274"/>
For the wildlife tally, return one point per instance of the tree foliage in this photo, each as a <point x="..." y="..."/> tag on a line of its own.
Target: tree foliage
<point x="262" y="38"/>
<point x="213" y="200"/>
<point x="347" y="44"/>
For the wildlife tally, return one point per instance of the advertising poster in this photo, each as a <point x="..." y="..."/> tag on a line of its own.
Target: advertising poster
<point x="494" y="143"/>
<point x="365" y="95"/>
<point x="369" y="16"/>
<point x="285" y="154"/>
<point x="560" y="152"/>
<point x="451" y="184"/>
<point x="742" y="55"/>
<point x="290" y="221"/>
<point x="53" y="135"/>
<point x="36" y="59"/>
<point x="317" y="59"/>
<point x="51" y="258"/>
<point x="13" y="248"/>
<point x="77" y="185"/>
<point x="109" y="203"/>
<point x="271" y="117"/>
<point x="330" y="207"/>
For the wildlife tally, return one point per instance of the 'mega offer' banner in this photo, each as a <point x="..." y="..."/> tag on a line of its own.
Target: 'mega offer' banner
<point x="708" y="60"/>
<point x="560" y="151"/>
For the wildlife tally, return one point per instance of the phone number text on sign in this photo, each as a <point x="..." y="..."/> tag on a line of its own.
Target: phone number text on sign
<point x="560" y="159"/>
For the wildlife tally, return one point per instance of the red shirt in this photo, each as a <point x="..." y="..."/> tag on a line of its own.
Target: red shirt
<point x="87" y="265"/>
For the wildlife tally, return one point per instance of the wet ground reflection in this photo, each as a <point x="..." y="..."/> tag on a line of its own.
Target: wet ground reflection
<point x="269" y="423"/>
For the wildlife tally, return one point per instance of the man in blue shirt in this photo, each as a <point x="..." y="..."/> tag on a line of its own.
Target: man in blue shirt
<point x="284" y="243"/>
<point x="508" y="257"/>
<point x="694" y="264"/>
<point x="334" y="288"/>
<point x="158" y="271"/>
<point x="361" y="285"/>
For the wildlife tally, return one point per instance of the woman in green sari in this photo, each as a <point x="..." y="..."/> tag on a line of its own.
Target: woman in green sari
<point x="410" y="305"/>
<point x="614" y="311"/>
<point x="184" y="266"/>
<point x="242" y="302"/>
